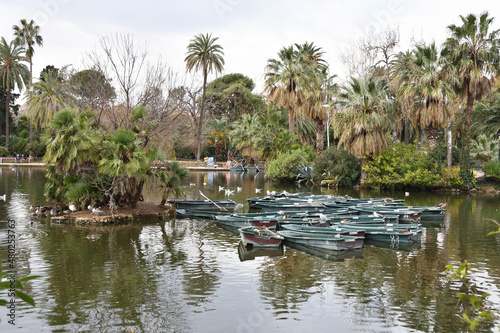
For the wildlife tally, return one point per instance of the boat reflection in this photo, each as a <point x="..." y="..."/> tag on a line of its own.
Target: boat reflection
<point x="395" y="245"/>
<point x="250" y="252"/>
<point x="327" y="254"/>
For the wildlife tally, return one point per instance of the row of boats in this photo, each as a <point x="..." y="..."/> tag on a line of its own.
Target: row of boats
<point x="317" y="221"/>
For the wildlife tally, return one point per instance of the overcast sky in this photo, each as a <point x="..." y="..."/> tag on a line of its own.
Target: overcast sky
<point x="251" y="32"/>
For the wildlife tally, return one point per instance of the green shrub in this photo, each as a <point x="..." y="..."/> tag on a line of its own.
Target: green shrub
<point x="451" y="177"/>
<point x="492" y="169"/>
<point x="285" y="167"/>
<point x="338" y="166"/>
<point x="401" y="166"/>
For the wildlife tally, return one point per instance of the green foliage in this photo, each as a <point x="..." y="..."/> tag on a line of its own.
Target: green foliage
<point x="401" y="166"/>
<point x="305" y="174"/>
<point x="451" y="177"/>
<point x="171" y="180"/>
<point x="492" y="169"/>
<point x="285" y="167"/>
<point x="484" y="148"/>
<point x="471" y="300"/>
<point x="18" y="284"/>
<point x="336" y="167"/>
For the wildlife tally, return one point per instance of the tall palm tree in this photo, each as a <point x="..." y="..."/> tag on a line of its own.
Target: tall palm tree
<point x="428" y="87"/>
<point x="363" y="123"/>
<point x="283" y="81"/>
<point x="27" y="34"/>
<point x="49" y="96"/>
<point x="13" y="74"/>
<point x="475" y="53"/>
<point x="400" y="83"/>
<point x="205" y="55"/>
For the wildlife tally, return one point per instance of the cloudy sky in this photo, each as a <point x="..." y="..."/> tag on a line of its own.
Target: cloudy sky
<point x="249" y="31"/>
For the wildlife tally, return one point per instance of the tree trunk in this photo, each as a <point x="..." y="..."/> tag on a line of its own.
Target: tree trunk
<point x="31" y="117"/>
<point x="431" y="137"/>
<point x="407" y="127"/>
<point x="320" y="136"/>
<point x="7" y="112"/>
<point x="291" y="120"/>
<point x="202" y="110"/>
<point x="138" y="193"/>
<point x="448" y="132"/>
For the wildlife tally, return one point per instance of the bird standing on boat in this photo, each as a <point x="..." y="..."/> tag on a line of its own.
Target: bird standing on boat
<point x="238" y="207"/>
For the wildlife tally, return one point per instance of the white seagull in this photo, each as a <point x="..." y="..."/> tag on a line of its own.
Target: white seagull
<point x="3" y="197"/>
<point x="238" y="189"/>
<point x="72" y="207"/>
<point x="229" y="192"/>
<point x="257" y="190"/>
<point x="238" y="207"/>
<point x="407" y="194"/>
<point x="221" y="188"/>
<point x="192" y="184"/>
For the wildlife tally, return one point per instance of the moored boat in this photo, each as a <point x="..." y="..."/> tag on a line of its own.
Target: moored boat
<point x="210" y="205"/>
<point x="335" y="242"/>
<point x="260" y="237"/>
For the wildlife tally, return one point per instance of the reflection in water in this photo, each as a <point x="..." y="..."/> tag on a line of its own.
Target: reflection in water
<point x="188" y="275"/>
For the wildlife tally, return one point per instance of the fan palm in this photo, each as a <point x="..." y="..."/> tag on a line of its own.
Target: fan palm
<point x="13" y="74"/>
<point x="205" y="55"/>
<point x="363" y="123"/>
<point x="429" y="87"/>
<point x="283" y="81"/>
<point x="474" y="51"/>
<point x="244" y="135"/>
<point x="486" y="117"/>
<point x="27" y="34"/>
<point x="49" y="96"/>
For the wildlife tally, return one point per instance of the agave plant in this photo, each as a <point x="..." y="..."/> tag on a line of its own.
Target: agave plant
<point x="305" y="174"/>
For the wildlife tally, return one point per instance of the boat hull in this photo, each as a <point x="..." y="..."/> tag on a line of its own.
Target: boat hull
<point x="260" y="237"/>
<point x="323" y="241"/>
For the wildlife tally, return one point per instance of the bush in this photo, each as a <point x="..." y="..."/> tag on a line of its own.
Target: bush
<point x="401" y="166"/>
<point x="492" y="169"/>
<point x="338" y="165"/>
<point x="285" y="167"/>
<point x="451" y="177"/>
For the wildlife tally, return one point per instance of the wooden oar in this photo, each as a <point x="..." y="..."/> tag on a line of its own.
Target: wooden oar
<point x="213" y="202"/>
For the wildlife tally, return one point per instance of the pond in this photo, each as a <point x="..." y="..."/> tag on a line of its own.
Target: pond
<point x="186" y="275"/>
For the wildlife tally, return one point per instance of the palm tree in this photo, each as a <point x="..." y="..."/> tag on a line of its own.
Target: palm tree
<point x="284" y="79"/>
<point x="486" y="117"/>
<point x="27" y="34"/>
<point x="203" y="54"/>
<point x="218" y="135"/>
<point x="428" y="87"/>
<point x="320" y="90"/>
<point x="474" y="51"/>
<point x="400" y="83"/>
<point x="13" y="74"/>
<point x="244" y="135"/>
<point x="49" y="96"/>
<point x="171" y="180"/>
<point x="484" y="148"/>
<point x="363" y="123"/>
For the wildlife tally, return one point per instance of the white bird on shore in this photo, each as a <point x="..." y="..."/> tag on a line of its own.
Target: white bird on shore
<point x="257" y="190"/>
<point x="407" y="194"/>
<point x="3" y="197"/>
<point x="221" y="188"/>
<point x="97" y="211"/>
<point x="72" y="207"/>
<point x="238" y="189"/>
